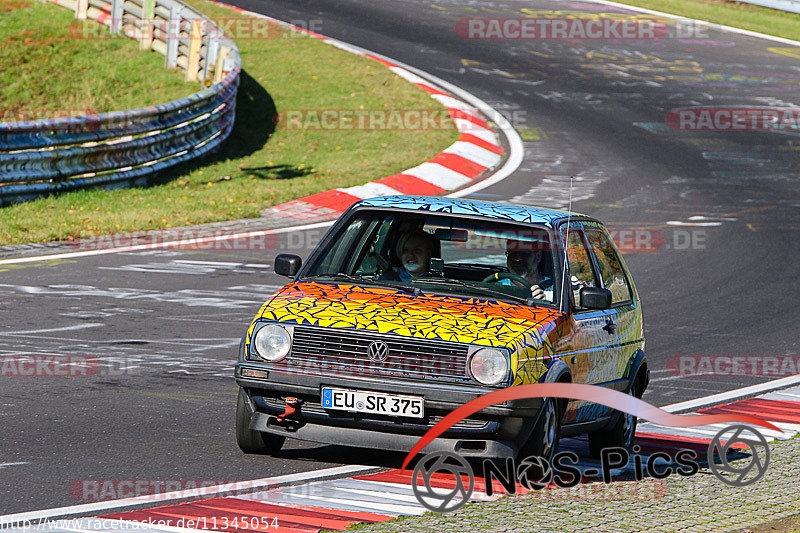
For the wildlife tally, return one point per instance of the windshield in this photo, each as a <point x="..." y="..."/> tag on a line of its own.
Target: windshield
<point x="427" y="253"/>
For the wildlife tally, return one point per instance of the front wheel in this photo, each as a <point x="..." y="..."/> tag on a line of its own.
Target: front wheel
<point x="543" y="441"/>
<point x="619" y="435"/>
<point x="251" y="441"/>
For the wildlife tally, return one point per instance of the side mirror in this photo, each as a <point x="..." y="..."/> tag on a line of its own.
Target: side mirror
<point x="595" y="298"/>
<point x="288" y="265"/>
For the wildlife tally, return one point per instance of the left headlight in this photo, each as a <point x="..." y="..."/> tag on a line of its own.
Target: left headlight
<point x="272" y="343"/>
<point x="489" y="366"/>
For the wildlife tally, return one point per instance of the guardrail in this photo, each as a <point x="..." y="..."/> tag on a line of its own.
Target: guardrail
<point x="124" y="148"/>
<point x="793" y="6"/>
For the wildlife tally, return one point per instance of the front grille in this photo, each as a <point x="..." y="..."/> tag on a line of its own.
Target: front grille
<point x="344" y="352"/>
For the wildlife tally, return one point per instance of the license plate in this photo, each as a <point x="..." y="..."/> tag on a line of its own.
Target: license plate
<point x="373" y="402"/>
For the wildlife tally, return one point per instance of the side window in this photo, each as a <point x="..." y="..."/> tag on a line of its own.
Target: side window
<point x="372" y="264"/>
<point x="580" y="265"/>
<point x="610" y="266"/>
<point x="336" y="257"/>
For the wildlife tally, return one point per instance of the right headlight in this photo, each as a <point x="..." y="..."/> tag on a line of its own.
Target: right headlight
<point x="272" y="343"/>
<point x="489" y="366"/>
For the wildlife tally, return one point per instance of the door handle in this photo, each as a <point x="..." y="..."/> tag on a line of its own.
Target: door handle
<point x="610" y="327"/>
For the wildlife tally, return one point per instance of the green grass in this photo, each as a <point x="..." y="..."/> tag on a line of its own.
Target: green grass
<point x="258" y="166"/>
<point x="45" y="71"/>
<point x="736" y="14"/>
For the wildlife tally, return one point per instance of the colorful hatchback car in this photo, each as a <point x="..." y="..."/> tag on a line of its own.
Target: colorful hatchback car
<point x="411" y="306"/>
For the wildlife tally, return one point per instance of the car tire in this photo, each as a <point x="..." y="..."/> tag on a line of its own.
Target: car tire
<point x="251" y="441"/>
<point x="543" y="441"/>
<point x="618" y="435"/>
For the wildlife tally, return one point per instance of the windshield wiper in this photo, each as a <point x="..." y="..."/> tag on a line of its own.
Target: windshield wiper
<point x="348" y="277"/>
<point x="416" y="291"/>
<point x="451" y="281"/>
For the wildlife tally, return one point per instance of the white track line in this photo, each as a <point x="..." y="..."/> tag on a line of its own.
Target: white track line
<point x="268" y="482"/>
<point x="50" y="330"/>
<point x="712" y="25"/>
<point x="733" y="394"/>
<point x="3" y="465"/>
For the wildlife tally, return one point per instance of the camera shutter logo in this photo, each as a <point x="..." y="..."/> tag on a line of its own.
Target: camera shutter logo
<point x="534" y="473"/>
<point x="442" y="500"/>
<point x="742" y="473"/>
<point x="378" y="351"/>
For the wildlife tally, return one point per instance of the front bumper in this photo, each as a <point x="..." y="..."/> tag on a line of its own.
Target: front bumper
<point x="476" y="443"/>
<point x="495" y="431"/>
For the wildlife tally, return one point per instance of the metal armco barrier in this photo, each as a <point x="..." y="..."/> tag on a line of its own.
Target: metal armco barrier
<point x="122" y="149"/>
<point x="793" y="6"/>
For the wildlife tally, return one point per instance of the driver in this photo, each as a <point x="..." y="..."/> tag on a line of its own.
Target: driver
<point x="522" y="259"/>
<point x="414" y="248"/>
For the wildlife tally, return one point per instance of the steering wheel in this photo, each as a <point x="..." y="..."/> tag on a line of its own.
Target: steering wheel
<point x="519" y="280"/>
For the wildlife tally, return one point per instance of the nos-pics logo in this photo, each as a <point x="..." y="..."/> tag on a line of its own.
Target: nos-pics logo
<point x="444" y="481"/>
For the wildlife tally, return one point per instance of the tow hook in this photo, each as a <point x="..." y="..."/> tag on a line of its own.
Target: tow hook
<point x="291" y="411"/>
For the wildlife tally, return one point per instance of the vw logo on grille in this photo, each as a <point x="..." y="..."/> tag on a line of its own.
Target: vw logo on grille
<point x="378" y="351"/>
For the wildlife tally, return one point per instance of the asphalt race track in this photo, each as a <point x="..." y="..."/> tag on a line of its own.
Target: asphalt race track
<point x="154" y="334"/>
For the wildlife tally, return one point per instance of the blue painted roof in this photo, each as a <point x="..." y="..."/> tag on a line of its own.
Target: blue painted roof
<point x="497" y="210"/>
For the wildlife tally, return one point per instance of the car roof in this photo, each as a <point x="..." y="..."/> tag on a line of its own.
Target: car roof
<point x="460" y="206"/>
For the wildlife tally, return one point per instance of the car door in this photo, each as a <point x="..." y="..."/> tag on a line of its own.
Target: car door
<point x="588" y="345"/>
<point x="625" y="316"/>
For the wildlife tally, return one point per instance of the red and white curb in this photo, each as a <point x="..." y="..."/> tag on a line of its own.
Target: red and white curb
<point x="334" y="504"/>
<point x="476" y="151"/>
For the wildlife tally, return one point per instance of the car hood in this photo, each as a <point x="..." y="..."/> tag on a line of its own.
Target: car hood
<point x="457" y="319"/>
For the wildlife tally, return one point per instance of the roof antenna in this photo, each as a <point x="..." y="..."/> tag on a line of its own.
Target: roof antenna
<point x="566" y="240"/>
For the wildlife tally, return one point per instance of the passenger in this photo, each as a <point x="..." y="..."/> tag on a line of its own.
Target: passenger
<point x="523" y="260"/>
<point x="414" y="249"/>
